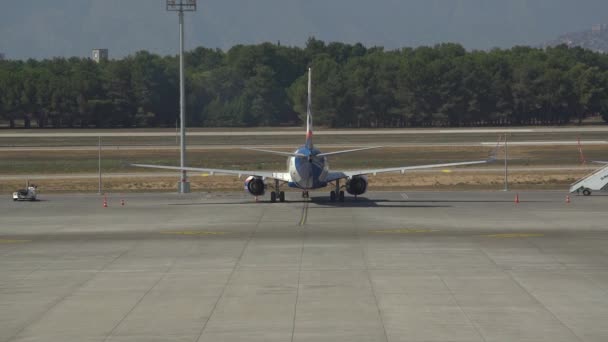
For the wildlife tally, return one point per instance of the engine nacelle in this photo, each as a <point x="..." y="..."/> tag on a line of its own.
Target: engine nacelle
<point x="255" y="186"/>
<point x="357" y="185"/>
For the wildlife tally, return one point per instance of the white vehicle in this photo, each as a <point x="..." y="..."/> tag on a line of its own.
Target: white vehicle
<point x="308" y="169"/>
<point x="28" y="194"/>
<point x="596" y="181"/>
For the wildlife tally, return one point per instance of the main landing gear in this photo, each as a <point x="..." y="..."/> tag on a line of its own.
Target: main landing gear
<point x="337" y="194"/>
<point x="305" y="194"/>
<point x="276" y="194"/>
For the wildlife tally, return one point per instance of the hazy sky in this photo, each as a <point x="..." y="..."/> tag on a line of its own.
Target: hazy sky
<point x="46" y="28"/>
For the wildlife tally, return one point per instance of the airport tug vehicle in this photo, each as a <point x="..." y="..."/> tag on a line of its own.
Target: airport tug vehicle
<point x="28" y="194"/>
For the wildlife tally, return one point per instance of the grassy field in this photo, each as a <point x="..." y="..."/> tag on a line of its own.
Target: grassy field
<point x="119" y="152"/>
<point x="483" y="180"/>
<point x="118" y="160"/>
<point x="477" y="177"/>
<point x="296" y="140"/>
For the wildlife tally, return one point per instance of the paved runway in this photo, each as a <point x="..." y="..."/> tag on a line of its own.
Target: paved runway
<point x="419" y="266"/>
<point x="274" y="131"/>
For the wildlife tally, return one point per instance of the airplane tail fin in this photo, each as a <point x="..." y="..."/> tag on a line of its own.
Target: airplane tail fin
<point x="309" y="112"/>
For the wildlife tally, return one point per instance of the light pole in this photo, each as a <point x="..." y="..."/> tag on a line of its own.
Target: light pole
<point x="506" y="164"/>
<point x="99" y="164"/>
<point x="181" y="6"/>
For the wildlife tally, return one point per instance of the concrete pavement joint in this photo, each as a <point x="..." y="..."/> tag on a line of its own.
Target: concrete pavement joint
<point x="542" y="305"/>
<point x="66" y="296"/>
<point x="346" y="265"/>
<point x="518" y="284"/>
<point x="163" y="276"/>
<point x="295" y="307"/>
<point x="236" y="266"/>
<point x="461" y="309"/>
<point x="371" y="283"/>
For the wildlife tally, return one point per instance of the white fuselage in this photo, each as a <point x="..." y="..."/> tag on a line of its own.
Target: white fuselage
<point x="309" y="171"/>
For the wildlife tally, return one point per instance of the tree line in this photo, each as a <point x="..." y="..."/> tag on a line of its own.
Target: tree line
<point x="354" y="86"/>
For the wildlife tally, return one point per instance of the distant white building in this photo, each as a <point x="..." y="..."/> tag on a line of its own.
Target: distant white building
<point x="598" y="28"/>
<point x="99" y="55"/>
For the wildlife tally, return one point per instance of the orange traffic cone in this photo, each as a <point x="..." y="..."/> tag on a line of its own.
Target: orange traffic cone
<point x="516" y="198"/>
<point x="567" y="198"/>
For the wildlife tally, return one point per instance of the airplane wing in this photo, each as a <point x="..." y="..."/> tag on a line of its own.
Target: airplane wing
<point x="290" y="154"/>
<point x="279" y="153"/>
<point x="282" y="176"/>
<point x="332" y="176"/>
<point x="346" y="151"/>
<point x="600" y="162"/>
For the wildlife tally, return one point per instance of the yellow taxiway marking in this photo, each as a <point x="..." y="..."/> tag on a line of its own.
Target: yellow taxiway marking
<point x="513" y="235"/>
<point x="402" y="231"/>
<point x="3" y="241"/>
<point x="446" y="171"/>
<point x="194" y="233"/>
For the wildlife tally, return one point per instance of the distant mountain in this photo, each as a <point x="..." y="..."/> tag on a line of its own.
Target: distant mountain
<point x="43" y="28"/>
<point x="595" y="39"/>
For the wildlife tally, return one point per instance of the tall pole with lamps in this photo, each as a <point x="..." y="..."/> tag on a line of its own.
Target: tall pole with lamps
<point x="181" y="6"/>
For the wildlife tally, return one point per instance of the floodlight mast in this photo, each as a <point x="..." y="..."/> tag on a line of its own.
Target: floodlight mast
<point x="182" y="6"/>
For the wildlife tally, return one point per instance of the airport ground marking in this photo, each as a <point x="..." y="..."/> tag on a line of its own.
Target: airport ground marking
<point x="403" y="231"/>
<point x="193" y="233"/>
<point x="513" y="235"/>
<point x="304" y="214"/>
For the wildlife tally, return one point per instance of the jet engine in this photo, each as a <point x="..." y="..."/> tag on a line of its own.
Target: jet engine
<point x="255" y="186"/>
<point x="357" y="185"/>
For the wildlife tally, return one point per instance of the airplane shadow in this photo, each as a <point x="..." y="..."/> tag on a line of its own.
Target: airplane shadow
<point x="364" y="202"/>
<point x="360" y="202"/>
<point x="480" y="201"/>
<point x="219" y="203"/>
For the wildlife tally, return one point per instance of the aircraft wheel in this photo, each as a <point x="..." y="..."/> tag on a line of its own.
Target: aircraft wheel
<point x="273" y="197"/>
<point x="587" y="192"/>
<point x="332" y="196"/>
<point x="341" y="196"/>
<point x="282" y="196"/>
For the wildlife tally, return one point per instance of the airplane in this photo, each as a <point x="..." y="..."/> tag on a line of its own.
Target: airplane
<point x="308" y="169"/>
